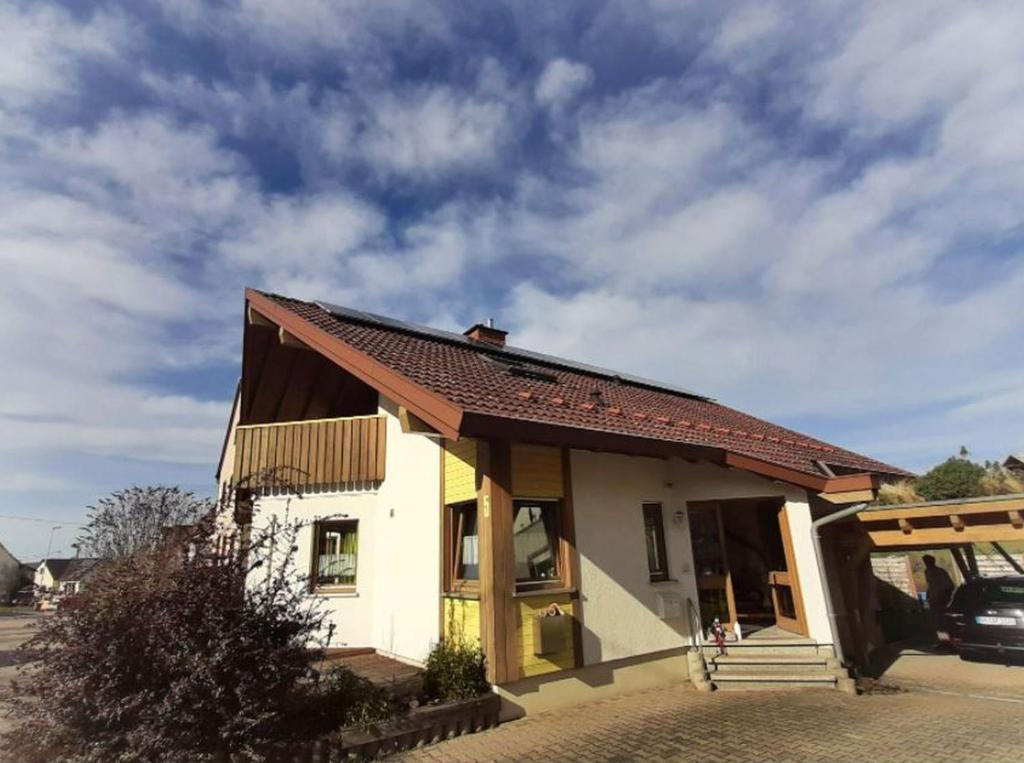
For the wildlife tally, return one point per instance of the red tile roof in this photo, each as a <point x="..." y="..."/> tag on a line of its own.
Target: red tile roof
<point x="475" y="377"/>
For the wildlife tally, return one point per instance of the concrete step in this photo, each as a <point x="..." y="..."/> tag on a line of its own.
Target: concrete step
<point x="751" y="648"/>
<point x="769" y="659"/>
<point x="748" y="681"/>
<point x="784" y="668"/>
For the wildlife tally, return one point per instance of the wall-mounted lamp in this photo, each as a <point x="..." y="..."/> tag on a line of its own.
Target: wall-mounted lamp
<point x="679" y="517"/>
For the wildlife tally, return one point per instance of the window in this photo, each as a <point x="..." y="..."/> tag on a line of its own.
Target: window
<point x="464" y="554"/>
<point x="535" y="541"/>
<point x="334" y="560"/>
<point x="654" y="532"/>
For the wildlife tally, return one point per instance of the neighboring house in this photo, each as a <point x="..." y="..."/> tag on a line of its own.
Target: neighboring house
<point x="1015" y="463"/>
<point x="455" y="484"/>
<point x="63" y="576"/>
<point x="10" y="575"/>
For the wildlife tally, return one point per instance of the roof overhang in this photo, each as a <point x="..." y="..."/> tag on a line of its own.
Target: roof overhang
<point x="846" y="483"/>
<point x="442" y="415"/>
<point x="520" y="430"/>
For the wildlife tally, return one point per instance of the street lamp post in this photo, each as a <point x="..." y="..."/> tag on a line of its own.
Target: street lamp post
<point x="49" y="543"/>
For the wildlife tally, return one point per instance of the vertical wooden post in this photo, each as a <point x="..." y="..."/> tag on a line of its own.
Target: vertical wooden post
<point x="571" y="558"/>
<point x="498" y="626"/>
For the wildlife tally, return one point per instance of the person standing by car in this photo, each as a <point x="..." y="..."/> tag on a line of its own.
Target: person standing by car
<point x="940" y="587"/>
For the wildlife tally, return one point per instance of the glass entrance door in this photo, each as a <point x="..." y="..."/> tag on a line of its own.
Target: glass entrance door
<point x="711" y="566"/>
<point x="785" y="586"/>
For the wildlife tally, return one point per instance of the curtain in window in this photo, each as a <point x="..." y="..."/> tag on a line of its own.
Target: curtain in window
<point x="336" y="558"/>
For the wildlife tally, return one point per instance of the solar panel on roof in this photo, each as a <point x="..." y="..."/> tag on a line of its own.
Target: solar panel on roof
<point x="373" y="319"/>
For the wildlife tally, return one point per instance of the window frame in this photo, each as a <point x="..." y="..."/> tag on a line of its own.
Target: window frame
<point x="453" y="548"/>
<point x="654" y="517"/>
<point x="559" y="550"/>
<point x="314" y="585"/>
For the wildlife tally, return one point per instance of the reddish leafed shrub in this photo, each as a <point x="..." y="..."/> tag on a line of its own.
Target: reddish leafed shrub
<point x="169" y="656"/>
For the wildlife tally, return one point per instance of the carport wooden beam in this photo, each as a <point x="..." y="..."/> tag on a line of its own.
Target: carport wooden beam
<point x="975" y="520"/>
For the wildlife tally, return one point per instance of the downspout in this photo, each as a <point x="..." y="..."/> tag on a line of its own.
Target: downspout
<point x="816" y="526"/>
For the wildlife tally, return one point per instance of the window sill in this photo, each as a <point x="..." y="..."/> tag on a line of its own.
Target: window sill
<point x="471" y="595"/>
<point x="543" y="592"/>
<point x="663" y="582"/>
<point x="347" y="593"/>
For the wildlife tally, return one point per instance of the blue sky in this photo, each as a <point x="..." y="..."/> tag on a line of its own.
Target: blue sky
<point x="809" y="211"/>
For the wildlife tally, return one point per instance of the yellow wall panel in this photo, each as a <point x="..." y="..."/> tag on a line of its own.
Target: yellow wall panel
<point x="531" y="664"/>
<point x="459" y="471"/>
<point x="462" y="619"/>
<point x="537" y="471"/>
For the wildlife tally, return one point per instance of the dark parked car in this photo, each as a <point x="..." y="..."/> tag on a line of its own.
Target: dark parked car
<point x="986" y="617"/>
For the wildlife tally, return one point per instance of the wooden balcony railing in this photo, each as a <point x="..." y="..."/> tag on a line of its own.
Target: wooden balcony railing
<point x="301" y="456"/>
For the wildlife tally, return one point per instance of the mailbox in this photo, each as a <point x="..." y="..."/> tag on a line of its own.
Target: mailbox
<point x="552" y="633"/>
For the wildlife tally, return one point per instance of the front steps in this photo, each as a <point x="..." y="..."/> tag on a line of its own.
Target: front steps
<point x="775" y="664"/>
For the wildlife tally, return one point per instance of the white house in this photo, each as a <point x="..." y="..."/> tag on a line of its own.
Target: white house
<point x="455" y="485"/>
<point x="63" y="576"/>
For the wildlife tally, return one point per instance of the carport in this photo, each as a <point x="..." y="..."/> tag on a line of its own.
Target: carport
<point x="958" y="526"/>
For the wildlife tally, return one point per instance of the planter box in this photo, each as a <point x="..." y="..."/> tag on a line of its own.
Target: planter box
<point x="422" y="726"/>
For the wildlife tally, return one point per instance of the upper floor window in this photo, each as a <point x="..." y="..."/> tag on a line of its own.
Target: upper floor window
<point x="654" y="533"/>
<point x="336" y="548"/>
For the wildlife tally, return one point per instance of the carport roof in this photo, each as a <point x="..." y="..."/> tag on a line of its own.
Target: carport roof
<point x="986" y="519"/>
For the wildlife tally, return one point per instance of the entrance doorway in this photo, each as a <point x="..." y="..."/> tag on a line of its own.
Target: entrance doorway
<point x="745" y="569"/>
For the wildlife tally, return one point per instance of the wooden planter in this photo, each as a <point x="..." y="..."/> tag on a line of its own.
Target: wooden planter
<point x="422" y="726"/>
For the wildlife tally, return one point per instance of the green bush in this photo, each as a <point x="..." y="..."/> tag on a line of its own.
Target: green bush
<point x="954" y="478"/>
<point x="343" y="698"/>
<point x="455" y="670"/>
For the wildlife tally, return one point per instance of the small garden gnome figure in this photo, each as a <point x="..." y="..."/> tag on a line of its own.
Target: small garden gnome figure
<point x="718" y="634"/>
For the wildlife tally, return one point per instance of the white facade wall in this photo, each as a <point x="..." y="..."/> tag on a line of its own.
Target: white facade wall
<point x="395" y="605"/>
<point x="43" y="579"/>
<point x="798" y="511"/>
<point x="620" y="603"/>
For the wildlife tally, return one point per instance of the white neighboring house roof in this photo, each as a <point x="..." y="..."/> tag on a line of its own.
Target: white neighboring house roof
<point x="69" y="570"/>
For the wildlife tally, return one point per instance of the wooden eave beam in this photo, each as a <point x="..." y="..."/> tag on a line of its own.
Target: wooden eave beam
<point x="257" y="319"/>
<point x="288" y="339"/>
<point x="413" y="424"/>
<point x="443" y="415"/>
<point x="932" y="537"/>
<point x="849" y="496"/>
<point x="845" y="483"/>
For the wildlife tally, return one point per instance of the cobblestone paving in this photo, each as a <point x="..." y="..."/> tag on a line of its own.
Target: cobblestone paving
<point x="680" y="724"/>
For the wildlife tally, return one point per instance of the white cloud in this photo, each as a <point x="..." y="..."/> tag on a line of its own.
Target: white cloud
<point x="424" y="133"/>
<point x="43" y="46"/>
<point x="561" y="81"/>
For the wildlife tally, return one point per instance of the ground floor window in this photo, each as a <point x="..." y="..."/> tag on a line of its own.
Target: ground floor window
<point x="654" y="532"/>
<point x="535" y="541"/>
<point x="463" y="545"/>
<point x="335" y="551"/>
<point x="536" y="545"/>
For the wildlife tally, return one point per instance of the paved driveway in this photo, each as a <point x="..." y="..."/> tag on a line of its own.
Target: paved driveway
<point x="680" y="724"/>
<point x="14" y="629"/>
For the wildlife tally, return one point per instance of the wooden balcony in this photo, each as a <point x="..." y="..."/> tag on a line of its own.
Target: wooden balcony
<point x="310" y="456"/>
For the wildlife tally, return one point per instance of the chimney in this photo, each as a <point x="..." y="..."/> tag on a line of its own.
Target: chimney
<point x="487" y="333"/>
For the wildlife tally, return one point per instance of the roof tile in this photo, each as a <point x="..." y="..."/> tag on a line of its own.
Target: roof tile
<point x="467" y="376"/>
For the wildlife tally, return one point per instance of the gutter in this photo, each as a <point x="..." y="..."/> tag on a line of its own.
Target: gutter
<point x="816" y="526"/>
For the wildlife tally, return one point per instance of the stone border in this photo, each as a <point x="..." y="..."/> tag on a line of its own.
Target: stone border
<point x="420" y="727"/>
